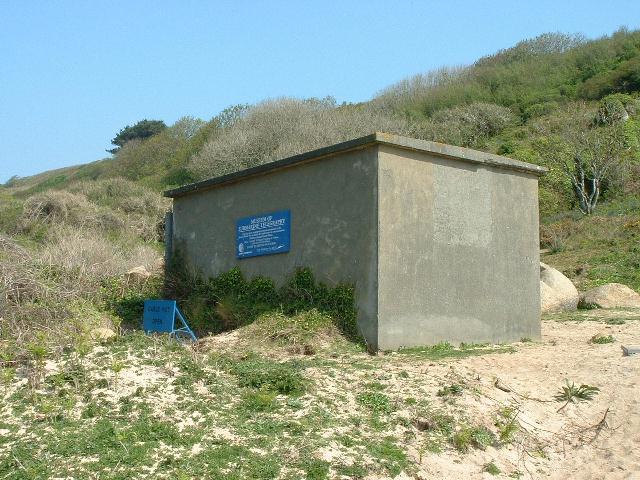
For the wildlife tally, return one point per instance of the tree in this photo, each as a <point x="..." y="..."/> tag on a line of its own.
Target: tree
<point x="469" y="125"/>
<point x="588" y="154"/>
<point x="598" y="153"/>
<point x="12" y="181"/>
<point x="141" y="130"/>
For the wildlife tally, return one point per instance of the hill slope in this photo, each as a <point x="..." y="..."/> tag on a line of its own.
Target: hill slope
<point x="78" y="229"/>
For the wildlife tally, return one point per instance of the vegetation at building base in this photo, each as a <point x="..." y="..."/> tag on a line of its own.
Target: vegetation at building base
<point x="599" y="249"/>
<point x="229" y="301"/>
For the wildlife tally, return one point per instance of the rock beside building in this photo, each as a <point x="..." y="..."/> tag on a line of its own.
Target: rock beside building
<point x="103" y="335"/>
<point x="611" y="295"/>
<point x="137" y="274"/>
<point x="557" y="292"/>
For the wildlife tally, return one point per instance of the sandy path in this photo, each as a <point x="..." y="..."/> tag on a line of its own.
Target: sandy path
<point x="538" y="370"/>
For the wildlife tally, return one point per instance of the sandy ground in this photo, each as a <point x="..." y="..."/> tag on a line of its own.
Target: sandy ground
<point x="597" y="439"/>
<point x="575" y="448"/>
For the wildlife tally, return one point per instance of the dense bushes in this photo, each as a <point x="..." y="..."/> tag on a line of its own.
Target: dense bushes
<point x="230" y="300"/>
<point x="552" y="68"/>
<point x="57" y="248"/>
<point x="280" y="128"/>
<point x="89" y="206"/>
<point x="124" y="195"/>
<point x="468" y="125"/>
<point x="53" y="295"/>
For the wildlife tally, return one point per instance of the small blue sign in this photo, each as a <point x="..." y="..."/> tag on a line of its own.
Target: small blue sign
<point x="159" y="315"/>
<point x="263" y="234"/>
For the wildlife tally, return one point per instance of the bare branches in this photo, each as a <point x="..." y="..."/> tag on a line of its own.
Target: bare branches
<point x="586" y="153"/>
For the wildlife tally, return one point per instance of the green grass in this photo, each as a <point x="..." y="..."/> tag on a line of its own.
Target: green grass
<point x="615" y="321"/>
<point x="594" y="316"/>
<point x="492" y="469"/>
<point x="602" y="248"/>
<point x="445" y="350"/>
<point x="170" y="427"/>
<point x="281" y="378"/>
<point x="375" y="402"/>
<point x="389" y="455"/>
<point x="599" y="339"/>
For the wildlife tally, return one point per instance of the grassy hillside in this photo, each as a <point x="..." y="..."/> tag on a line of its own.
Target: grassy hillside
<point x="69" y="235"/>
<point x="305" y="401"/>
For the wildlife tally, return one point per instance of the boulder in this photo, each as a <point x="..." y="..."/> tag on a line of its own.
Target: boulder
<point x="138" y="274"/>
<point x="103" y="334"/>
<point x="611" y="295"/>
<point x="557" y="292"/>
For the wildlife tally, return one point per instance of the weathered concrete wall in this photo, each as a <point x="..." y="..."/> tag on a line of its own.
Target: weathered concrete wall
<point x="333" y="207"/>
<point x="457" y="251"/>
<point x="440" y="242"/>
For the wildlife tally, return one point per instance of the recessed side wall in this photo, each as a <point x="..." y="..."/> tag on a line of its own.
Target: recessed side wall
<point x="333" y="208"/>
<point x="458" y="251"/>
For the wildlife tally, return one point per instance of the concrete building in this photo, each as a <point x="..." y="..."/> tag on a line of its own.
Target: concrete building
<point x="441" y="242"/>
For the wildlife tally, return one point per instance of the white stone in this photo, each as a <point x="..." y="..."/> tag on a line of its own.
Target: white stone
<point x="611" y="295"/>
<point x="557" y="292"/>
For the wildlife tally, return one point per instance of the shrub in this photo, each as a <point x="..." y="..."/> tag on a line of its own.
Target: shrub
<point x="478" y="437"/>
<point x="507" y="424"/>
<point x="284" y="127"/>
<point x="93" y="257"/>
<point x="492" y="469"/>
<point x="572" y="394"/>
<point x="230" y="300"/>
<point x="281" y="378"/>
<point x="52" y="296"/>
<point x="126" y="300"/>
<point x="122" y="194"/>
<point x="377" y="402"/>
<point x="600" y="339"/>
<point x="470" y="125"/>
<point x="419" y="91"/>
<point x="57" y="206"/>
<point x="295" y="330"/>
<point x="450" y="390"/>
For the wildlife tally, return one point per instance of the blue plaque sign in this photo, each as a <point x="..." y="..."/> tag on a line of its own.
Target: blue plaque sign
<point x="263" y="234"/>
<point x="159" y="315"/>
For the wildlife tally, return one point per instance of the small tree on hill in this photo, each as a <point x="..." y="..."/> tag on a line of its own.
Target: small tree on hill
<point x="141" y="130"/>
<point x="587" y="153"/>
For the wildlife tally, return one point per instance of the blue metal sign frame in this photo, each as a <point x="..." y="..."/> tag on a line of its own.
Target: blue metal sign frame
<point x="160" y="316"/>
<point x="265" y="234"/>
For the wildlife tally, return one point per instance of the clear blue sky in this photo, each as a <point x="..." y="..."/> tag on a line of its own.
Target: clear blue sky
<point x="72" y="73"/>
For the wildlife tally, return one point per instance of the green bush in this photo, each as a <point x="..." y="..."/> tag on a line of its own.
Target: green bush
<point x="477" y="437"/>
<point x="266" y="375"/>
<point x="377" y="402"/>
<point x="230" y="300"/>
<point x="127" y="300"/>
<point x="600" y="339"/>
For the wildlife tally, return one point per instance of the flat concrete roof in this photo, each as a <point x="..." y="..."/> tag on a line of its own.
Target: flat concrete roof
<point x="406" y="143"/>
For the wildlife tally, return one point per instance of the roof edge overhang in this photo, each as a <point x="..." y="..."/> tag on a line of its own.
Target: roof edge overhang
<point x="378" y="138"/>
